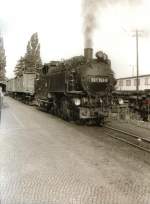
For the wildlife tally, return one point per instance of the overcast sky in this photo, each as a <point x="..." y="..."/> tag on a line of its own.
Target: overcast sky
<point x="59" y="26"/>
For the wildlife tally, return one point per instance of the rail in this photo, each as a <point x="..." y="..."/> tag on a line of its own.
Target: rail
<point x="129" y="138"/>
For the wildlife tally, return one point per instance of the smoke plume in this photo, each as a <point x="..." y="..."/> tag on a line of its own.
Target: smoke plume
<point x="90" y="9"/>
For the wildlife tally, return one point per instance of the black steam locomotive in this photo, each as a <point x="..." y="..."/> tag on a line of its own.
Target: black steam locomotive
<point x="78" y="89"/>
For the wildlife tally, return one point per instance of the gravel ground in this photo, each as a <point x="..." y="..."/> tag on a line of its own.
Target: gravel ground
<point x="45" y="160"/>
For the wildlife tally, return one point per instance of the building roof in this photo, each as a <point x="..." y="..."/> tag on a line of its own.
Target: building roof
<point x="146" y="75"/>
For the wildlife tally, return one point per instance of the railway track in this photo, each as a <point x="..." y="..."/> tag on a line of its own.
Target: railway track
<point x="129" y="138"/>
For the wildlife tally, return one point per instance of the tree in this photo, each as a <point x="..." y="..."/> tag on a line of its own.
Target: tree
<point x="32" y="57"/>
<point x="20" y="67"/>
<point x="31" y="62"/>
<point x="2" y="60"/>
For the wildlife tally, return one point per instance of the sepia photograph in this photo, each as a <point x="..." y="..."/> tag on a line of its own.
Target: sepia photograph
<point x="75" y="102"/>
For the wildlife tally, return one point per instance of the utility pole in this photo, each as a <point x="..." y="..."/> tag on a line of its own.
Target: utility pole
<point x="137" y="62"/>
<point x="137" y="34"/>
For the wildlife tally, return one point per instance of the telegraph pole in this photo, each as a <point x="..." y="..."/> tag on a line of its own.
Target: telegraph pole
<point x="137" y="33"/>
<point x="137" y="62"/>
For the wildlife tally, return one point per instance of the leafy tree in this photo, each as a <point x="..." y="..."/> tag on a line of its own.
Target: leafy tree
<point x="2" y="60"/>
<point x="31" y="61"/>
<point x="32" y="57"/>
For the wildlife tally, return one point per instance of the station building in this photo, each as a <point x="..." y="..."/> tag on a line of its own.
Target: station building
<point x="129" y="83"/>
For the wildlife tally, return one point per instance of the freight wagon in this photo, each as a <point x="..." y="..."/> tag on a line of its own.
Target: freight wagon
<point x="22" y="87"/>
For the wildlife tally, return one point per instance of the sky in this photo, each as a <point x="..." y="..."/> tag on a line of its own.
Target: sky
<point x="59" y="25"/>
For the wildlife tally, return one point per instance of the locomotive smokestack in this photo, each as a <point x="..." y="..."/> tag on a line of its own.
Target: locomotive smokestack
<point x="88" y="54"/>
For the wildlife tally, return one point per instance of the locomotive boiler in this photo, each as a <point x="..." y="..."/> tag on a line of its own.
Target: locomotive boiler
<point x="77" y="89"/>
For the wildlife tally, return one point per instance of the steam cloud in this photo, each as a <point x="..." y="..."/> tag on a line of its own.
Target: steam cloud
<point x="89" y="13"/>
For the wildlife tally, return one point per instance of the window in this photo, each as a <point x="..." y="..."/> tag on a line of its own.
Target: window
<point x="128" y="82"/>
<point x="146" y="81"/>
<point x="139" y="82"/>
<point x="120" y="82"/>
<point x="135" y="82"/>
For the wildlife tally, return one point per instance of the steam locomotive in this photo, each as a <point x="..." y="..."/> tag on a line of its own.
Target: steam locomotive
<point x="78" y="89"/>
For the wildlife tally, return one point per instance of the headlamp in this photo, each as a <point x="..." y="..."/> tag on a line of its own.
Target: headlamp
<point x="77" y="101"/>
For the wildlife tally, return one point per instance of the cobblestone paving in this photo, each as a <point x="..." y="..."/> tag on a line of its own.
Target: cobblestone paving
<point x="45" y="160"/>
